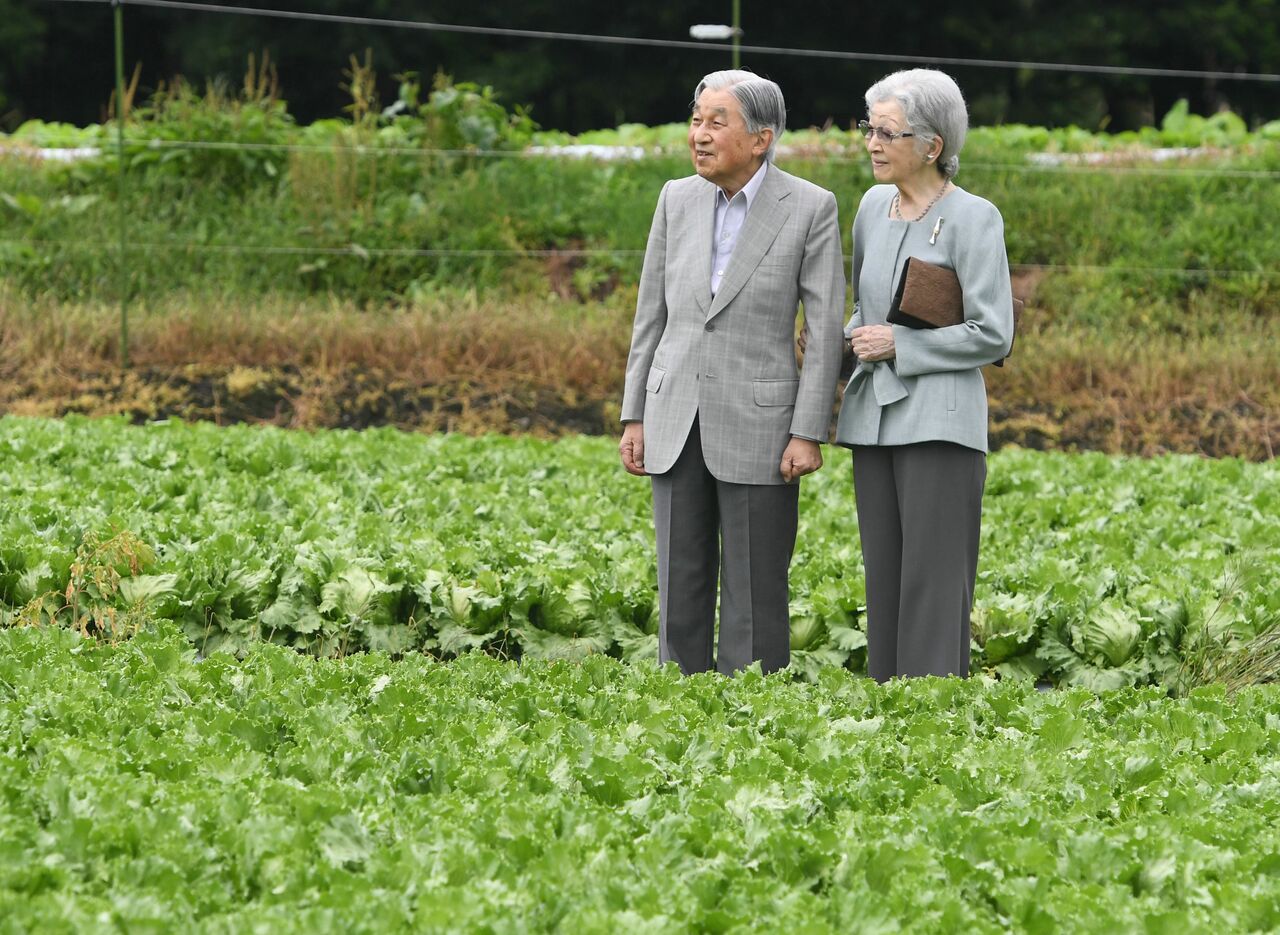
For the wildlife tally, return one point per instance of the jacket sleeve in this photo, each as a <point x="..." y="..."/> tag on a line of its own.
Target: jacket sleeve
<point x="855" y="270"/>
<point x="848" y="362"/>
<point x="986" y="334"/>
<point x="821" y="289"/>
<point x="651" y="314"/>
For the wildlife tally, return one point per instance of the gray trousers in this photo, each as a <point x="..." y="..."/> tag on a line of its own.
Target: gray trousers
<point x="744" y="533"/>
<point x="919" y="519"/>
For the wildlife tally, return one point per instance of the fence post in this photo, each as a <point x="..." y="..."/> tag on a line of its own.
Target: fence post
<point x="737" y="32"/>
<point x="122" y="265"/>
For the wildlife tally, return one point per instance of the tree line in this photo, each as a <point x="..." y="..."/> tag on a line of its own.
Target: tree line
<point x="56" y="58"/>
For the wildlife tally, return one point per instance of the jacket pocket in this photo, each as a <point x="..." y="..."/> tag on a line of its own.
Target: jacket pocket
<point x="775" y="260"/>
<point x="775" y="392"/>
<point x="654" y="383"/>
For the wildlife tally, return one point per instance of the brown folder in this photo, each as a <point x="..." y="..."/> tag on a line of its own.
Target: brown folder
<point x="929" y="296"/>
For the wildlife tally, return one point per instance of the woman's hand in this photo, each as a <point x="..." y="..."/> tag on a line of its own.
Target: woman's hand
<point x="803" y="341"/>
<point x="873" y="342"/>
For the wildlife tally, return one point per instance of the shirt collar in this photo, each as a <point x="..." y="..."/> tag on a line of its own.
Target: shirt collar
<point x="750" y="190"/>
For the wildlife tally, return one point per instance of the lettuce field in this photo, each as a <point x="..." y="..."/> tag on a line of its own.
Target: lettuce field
<point x="237" y="695"/>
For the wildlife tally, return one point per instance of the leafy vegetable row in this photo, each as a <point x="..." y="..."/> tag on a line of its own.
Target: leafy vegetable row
<point x="141" y="790"/>
<point x="1094" y="570"/>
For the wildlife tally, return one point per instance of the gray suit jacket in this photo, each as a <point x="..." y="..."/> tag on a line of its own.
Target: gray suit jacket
<point x="933" y="390"/>
<point x="731" y="360"/>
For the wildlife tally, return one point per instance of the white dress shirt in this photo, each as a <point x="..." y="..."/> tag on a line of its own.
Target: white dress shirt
<point x="730" y="214"/>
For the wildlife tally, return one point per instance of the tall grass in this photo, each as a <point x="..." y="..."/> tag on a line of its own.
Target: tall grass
<point x="1142" y="391"/>
<point x="1223" y="649"/>
<point x="455" y="338"/>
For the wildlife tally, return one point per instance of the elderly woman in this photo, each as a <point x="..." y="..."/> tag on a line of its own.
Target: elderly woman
<point x="915" y="411"/>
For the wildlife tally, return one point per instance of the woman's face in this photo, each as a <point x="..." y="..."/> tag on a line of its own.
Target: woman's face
<point x="898" y="161"/>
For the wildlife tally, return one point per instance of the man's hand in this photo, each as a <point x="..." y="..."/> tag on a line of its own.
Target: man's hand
<point x="801" y="457"/>
<point x="631" y="449"/>
<point x="874" y="342"/>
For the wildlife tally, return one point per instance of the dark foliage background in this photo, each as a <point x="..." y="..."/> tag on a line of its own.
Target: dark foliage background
<point x="56" y="57"/>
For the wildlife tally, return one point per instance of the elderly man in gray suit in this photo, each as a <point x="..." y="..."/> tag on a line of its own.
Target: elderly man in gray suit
<point x="716" y="411"/>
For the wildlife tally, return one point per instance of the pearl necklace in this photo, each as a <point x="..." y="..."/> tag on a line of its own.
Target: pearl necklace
<point x="897" y="198"/>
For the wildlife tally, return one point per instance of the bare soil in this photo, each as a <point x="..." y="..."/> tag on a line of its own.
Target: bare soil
<point x="1087" y="418"/>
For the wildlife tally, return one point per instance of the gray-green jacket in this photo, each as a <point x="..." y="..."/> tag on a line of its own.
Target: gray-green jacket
<point x="933" y="390"/>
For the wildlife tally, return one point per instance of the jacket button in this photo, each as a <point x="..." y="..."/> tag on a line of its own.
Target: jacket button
<point x="710" y="327"/>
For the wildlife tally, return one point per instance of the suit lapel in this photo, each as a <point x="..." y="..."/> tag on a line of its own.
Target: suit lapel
<point x="768" y="213"/>
<point x="703" y="218"/>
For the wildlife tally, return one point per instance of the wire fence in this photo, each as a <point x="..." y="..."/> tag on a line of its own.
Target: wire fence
<point x="360" y="252"/>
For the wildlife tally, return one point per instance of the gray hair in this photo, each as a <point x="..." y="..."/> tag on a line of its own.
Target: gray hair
<point x="759" y="98"/>
<point x="933" y="106"/>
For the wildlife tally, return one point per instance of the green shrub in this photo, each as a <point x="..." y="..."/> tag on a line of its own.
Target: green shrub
<point x="435" y="191"/>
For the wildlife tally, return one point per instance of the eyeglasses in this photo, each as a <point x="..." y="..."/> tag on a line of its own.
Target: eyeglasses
<point x="886" y="136"/>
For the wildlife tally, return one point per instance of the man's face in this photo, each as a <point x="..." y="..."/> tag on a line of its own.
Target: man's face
<point x="722" y="150"/>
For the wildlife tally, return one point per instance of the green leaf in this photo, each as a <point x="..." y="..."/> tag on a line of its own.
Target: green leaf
<point x="1109" y="634"/>
<point x="344" y="841"/>
<point x="354" y="593"/>
<point x="148" y="588"/>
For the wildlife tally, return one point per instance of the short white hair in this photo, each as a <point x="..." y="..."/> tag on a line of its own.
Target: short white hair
<point x="759" y="98"/>
<point x="933" y="106"/>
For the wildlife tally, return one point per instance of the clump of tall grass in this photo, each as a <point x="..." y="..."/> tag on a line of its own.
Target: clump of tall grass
<point x="224" y="136"/>
<point x="1224" y="651"/>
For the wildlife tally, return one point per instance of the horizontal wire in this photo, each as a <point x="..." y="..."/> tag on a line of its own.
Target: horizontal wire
<point x="700" y="46"/>
<point x="293" y="250"/>
<point x="363" y="252"/>
<point x="1152" y="270"/>
<point x="538" y="153"/>
<point x="359" y="149"/>
<point x="1173" y="171"/>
